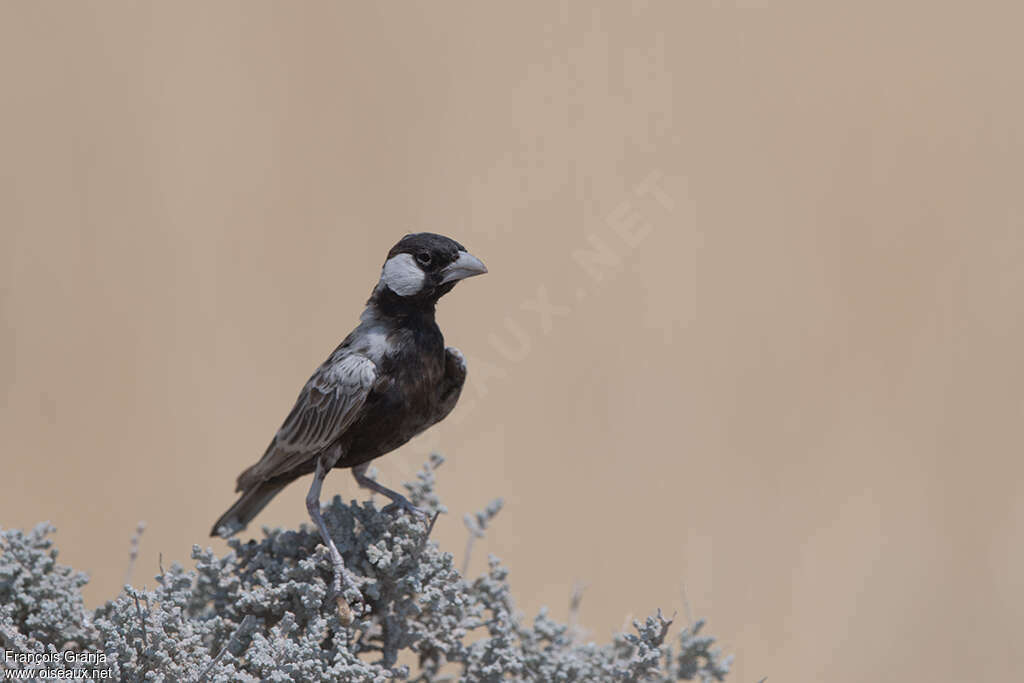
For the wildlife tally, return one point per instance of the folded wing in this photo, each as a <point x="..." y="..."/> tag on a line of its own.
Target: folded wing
<point x="328" y="404"/>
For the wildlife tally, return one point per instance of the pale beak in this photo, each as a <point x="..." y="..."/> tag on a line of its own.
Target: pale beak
<point x="465" y="266"/>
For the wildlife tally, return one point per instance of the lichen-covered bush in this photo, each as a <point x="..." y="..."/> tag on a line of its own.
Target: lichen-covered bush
<point x="264" y="613"/>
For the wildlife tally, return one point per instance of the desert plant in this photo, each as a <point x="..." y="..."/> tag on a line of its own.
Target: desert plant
<point x="264" y="612"/>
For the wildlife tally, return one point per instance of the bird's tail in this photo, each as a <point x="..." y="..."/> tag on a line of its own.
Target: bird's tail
<point x="245" y="508"/>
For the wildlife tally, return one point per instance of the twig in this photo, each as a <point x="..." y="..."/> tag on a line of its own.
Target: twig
<point x="426" y="536"/>
<point x="209" y="667"/>
<point x="665" y="623"/>
<point x="142" y="621"/>
<point x="469" y="552"/>
<point x="477" y="524"/>
<point x="134" y="555"/>
<point x="433" y="521"/>
<point x="575" y="598"/>
<point x="686" y="604"/>
<point x="423" y="541"/>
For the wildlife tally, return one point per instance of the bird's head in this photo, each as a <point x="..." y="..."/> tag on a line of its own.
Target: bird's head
<point x="424" y="266"/>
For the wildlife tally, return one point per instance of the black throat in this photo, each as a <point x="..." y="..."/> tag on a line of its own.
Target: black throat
<point x="416" y="310"/>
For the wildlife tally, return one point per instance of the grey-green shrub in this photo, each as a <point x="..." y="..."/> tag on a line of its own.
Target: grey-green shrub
<point x="264" y="612"/>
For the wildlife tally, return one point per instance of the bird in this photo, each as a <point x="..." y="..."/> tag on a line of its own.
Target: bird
<point x="390" y="379"/>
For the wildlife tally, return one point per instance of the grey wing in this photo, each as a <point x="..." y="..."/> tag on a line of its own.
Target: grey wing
<point x="326" y="407"/>
<point x="451" y="387"/>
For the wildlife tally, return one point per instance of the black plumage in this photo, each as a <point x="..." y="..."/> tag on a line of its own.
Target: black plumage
<point x="388" y="380"/>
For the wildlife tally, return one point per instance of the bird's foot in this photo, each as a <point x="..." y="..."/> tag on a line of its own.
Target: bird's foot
<point x="346" y="610"/>
<point x="402" y="503"/>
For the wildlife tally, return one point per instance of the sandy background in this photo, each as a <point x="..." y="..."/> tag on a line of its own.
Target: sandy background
<point x="790" y="379"/>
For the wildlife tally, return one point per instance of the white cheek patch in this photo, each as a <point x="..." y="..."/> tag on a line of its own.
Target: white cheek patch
<point x="402" y="275"/>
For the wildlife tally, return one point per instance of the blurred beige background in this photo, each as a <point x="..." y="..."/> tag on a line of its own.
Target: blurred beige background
<point x="783" y="244"/>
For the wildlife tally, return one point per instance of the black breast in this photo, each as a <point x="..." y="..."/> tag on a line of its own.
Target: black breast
<point x="404" y="399"/>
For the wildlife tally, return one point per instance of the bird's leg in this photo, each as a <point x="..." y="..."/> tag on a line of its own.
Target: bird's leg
<point x="397" y="499"/>
<point x="313" y="506"/>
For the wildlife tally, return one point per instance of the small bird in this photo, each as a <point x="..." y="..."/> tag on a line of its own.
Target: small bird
<point x="391" y="378"/>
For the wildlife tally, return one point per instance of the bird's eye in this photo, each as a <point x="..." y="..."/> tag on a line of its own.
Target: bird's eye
<point x="423" y="257"/>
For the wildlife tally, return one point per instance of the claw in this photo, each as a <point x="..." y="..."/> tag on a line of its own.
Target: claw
<point x="346" y="610"/>
<point x="405" y="505"/>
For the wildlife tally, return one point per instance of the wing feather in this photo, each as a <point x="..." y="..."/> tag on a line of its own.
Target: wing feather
<point x="326" y="407"/>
